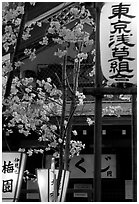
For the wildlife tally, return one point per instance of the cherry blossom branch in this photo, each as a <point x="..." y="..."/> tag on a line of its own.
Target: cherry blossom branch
<point x="36" y="92"/>
<point x="72" y="108"/>
<point x="21" y="29"/>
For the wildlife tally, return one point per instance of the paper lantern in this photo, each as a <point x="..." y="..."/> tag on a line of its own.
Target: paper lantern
<point x="118" y="42"/>
<point x="47" y="182"/>
<point x="47" y="187"/>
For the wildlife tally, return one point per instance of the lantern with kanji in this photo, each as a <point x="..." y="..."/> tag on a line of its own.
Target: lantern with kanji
<point x="47" y="182"/>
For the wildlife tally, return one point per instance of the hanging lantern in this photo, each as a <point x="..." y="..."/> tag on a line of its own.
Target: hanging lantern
<point x="13" y="164"/>
<point x="48" y="186"/>
<point x="118" y="42"/>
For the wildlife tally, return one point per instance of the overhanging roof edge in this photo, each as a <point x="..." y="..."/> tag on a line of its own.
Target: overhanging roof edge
<point x="48" y="13"/>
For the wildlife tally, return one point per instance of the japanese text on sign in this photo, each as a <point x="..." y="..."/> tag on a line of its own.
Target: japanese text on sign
<point x="120" y="36"/>
<point x="118" y="53"/>
<point x="9" y="168"/>
<point x="83" y="166"/>
<point x="13" y="164"/>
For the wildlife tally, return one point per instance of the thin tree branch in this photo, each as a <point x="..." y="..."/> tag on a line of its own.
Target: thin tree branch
<point x="58" y="79"/>
<point x="68" y="84"/>
<point x="69" y="119"/>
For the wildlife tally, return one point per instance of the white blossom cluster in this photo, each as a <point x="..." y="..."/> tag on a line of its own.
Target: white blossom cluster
<point x="80" y="97"/>
<point x="89" y="121"/>
<point x="67" y="35"/>
<point x="30" y="53"/>
<point x="31" y="110"/>
<point x="76" y="147"/>
<point x="75" y="35"/>
<point x="44" y="41"/>
<point x="11" y="17"/>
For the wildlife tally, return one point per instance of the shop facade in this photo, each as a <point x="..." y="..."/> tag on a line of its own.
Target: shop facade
<point x="116" y="157"/>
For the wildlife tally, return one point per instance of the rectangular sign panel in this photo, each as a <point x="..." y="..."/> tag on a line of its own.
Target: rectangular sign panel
<point x="83" y="166"/>
<point x="12" y="170"/>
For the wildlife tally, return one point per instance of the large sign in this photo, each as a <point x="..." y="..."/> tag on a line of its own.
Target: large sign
<point x="12" y="171"/>
<point x="83" y="166"/>
<point x="118" y="42"/>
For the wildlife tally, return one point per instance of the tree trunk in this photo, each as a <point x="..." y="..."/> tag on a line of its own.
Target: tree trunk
<point x="62" y="127"/>
<point x="72" y="109"/>
<point x="76" y="72"/>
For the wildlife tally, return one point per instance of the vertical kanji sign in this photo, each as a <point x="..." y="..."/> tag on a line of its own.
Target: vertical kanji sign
<point x="118" y="42"/>
<point x="12" y="171"/>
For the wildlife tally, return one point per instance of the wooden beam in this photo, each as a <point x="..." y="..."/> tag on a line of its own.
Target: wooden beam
<point x="95" y="91"/>
<point x="98" y="111"/>
<point x="134" y="146"/>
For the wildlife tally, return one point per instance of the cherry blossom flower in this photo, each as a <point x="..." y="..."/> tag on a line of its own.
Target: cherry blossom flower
<point x="81" y="97"/>
<point x="49" y="80"/>
<point x="89" y="121"/>
<point x="82" y="56"/>
<point x="26" y="34"/>
<point x="92" y="73"/>
<point x="39" y="24"/>
<point x="44" y="41"/>
<point x="74" y="132"/>
<point x="60" y="140"/>
<point x="21" y="150"/>
<point x="76" y="147"/>
<point x="30" y="152"/>
<point x="65" y="123"/>
<point x="30" y="53"/>
<point x="60" y="53"/>
<point x="18" y="64"/>
<point x="38" y="151"/>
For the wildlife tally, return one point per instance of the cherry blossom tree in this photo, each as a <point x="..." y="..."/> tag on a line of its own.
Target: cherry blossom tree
<point x="32" y="109"/>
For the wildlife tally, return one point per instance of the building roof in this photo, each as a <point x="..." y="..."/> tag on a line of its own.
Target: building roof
<point x="43" y="12"/>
